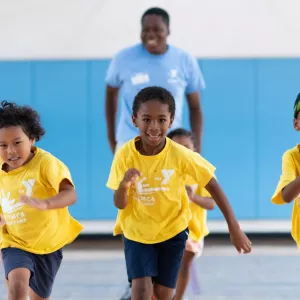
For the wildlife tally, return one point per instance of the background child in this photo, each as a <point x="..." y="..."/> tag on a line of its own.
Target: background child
<point x="35" y="192"/>
<point x="288" y="188"/>
<point x="200" y="202"/>
<point x="148" y="175"/>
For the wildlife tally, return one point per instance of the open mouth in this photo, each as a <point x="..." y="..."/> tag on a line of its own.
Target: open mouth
<point x="14" y="159"/>
<point x="153" y="137"/>
<point x="152" y="42"/>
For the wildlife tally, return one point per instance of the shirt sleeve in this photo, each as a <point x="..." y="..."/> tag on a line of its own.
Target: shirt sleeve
<point x="195" y="79"/>
<point x="55" y="172"/>
<point x="288" y="175"/>
<point x="117" y="172"/>
<point x="204" y="193"/>
<point x="113" y="72"/>
<point x="199" y="169"/>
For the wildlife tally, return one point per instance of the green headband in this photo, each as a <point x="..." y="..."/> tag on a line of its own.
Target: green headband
<point x="297" y="108"/>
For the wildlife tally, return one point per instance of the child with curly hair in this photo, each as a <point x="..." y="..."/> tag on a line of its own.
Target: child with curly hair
<point x="35" y="191"/>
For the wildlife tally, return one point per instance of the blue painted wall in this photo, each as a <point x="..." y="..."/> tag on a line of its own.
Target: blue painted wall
<point x="248" y="125"/>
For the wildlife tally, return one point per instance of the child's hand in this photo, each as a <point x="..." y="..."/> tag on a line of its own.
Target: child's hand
<point x="130" y="177"/>
<point x="36" y="203"/>
<point x="240" y="240"/>
<point x="190" y="192"/>
<point x="2" y="220"/>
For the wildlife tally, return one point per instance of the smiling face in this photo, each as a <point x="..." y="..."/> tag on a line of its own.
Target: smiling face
<point x="15" y="147"/>
<point x="154" y="34"/>
<point x="153" y="120"/>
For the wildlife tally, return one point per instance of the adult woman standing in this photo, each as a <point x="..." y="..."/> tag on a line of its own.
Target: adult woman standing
<point x="152" y="62"/>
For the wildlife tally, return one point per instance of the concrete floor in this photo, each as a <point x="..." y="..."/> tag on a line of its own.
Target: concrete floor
<point x="95" y="269"/>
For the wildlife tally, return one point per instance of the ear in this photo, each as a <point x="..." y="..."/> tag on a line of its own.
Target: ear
<point x="171" y="121"/>
<point x="297" y="124"/>
<point x="133" y="118"/>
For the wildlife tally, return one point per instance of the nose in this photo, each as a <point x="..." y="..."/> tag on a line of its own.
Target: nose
<point x="11" y="149"/>
<point x="150" y="33"/>
<point x="154" y="125"/>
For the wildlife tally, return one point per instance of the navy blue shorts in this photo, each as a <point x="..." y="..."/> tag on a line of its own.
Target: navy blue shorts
<point x="43" y="268"/>
<point x="160" y="261"/>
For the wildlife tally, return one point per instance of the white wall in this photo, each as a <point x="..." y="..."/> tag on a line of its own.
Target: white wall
<point x="98" y="28"/>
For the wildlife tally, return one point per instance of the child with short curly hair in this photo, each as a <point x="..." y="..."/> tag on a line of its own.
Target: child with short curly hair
<point x="35" y="191"/>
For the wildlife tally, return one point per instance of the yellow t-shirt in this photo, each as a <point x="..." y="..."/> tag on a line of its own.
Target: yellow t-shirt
<point x="290" y="171"/>
<point x="158" y="205"/>
<point x="27" y="228"/>
<point x="198" y="224"/>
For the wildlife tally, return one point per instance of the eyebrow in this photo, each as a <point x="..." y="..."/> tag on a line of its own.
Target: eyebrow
<point x="145" y="115"/>
<point x="18" y="138"/>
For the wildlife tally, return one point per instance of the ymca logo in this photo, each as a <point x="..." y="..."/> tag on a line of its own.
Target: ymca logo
<point x="173" y="73"/>
<point x="167" y="175"/>
<point x="173" y="76"/>
<point x="143" y="188"/>
<point x="9" y="205"/>
<point x="140" y="78"/>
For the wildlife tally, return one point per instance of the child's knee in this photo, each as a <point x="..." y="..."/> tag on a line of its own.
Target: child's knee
<point x="163" y="293"/>
<point x="18" y="283"/>
<point x="18" y="288"/>
<point x="142" y="287"/>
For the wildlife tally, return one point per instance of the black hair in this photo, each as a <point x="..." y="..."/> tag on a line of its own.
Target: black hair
<point x="296" y="108"/>
<point x="158" y="12"/>
<point x="12" y="114"/>
<point x="154" y="93"/>
<point x="181" y="132"/>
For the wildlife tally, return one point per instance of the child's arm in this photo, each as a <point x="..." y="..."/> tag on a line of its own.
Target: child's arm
<point x="204" y="202"/>
<point x="288" y="187"/>
<point x="291" y="191"/>
<point x="238" y="238"/>
<point x="66" y="197"/>
<point x="121" y="194"/>
<point x="220" y="198"/>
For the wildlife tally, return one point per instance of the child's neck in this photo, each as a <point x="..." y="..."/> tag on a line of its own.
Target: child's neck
<point x="145" y="149"/>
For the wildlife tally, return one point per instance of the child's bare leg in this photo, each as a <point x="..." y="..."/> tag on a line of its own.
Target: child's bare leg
<point x="34" y="296"/>
<point x="142" y="288"/>
<point x="18" y="284"/>
<point x="162" y="292"/>
<point x="184" y="274"/>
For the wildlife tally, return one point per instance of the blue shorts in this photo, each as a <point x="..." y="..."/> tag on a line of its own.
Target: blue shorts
<point x="160" y="261"/>
<point x="43" y="267"/>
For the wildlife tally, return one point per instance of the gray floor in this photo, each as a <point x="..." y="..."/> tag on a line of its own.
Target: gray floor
<point x="96" y="270"/>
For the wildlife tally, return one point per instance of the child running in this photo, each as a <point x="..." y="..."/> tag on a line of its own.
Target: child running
<point x="288" y="188"/>
<point x="148" y="175"/>
<point x="36" y="190"/>
<point x="200" y="202"/>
